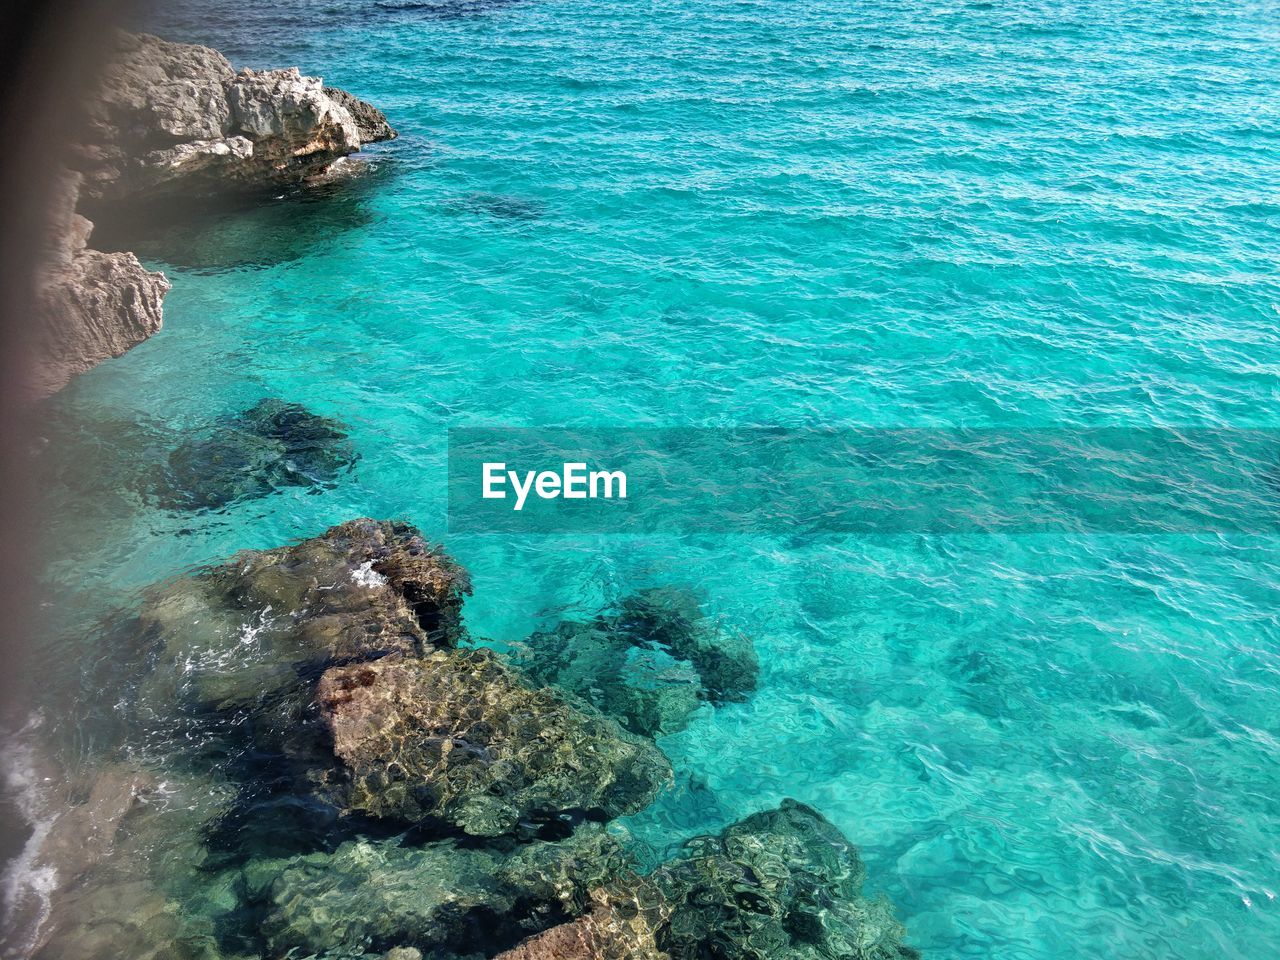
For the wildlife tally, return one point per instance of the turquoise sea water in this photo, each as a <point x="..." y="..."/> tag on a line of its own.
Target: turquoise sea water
<point x="719" y="213"/>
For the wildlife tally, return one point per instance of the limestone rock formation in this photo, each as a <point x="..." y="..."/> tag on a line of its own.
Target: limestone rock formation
<point x="650" y="663"/>
<point x="90" y="306"/>
<point x="171" y="120"/>
<point x="370" y="121"/>
<point x="176" y="118"/>
<point x="461" y="738"/>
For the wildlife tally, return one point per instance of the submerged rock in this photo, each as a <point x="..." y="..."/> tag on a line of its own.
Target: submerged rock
<point x="461" y="738"/>
<point x="503" y="206"/>
<point x="176" y="119"/>
<point x="781" y="883"/>
<point x="443" y="897"/>
<point x="784" y="883"/>
<point x="673" y="618"/>
<point x="257" y="631"/>
<point x="647" y="691"/>
<point x="650" y="663"/>
<point x="90" y="306"/>
<point x="617" y="927"/>
<point x="463" y="801"/>
<point x="330" y="666"/>
<point x="271" y="445"/>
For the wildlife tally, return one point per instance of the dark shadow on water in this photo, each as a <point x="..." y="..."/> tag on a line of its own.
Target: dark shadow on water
<point x="271" y="445"/>
<point x="500" y="206"/>
<point x="246" y="232"/>
<point x="444" y="9"/>
<point x="268" y="446"/>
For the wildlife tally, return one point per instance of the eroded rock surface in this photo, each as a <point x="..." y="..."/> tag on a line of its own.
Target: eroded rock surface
<point x="248" y="638"/>
<point x="174" y="118"/>
<point x="650" y="663"/>
<point x="169" y="121"/>
<point x="90" y="306"/>
<point x="463" y="738"/>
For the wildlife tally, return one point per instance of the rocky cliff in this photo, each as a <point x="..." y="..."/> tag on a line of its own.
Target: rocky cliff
<point x="171" y="119"/>
<point x="91" y="306"/>
<point x="177" y="118"/>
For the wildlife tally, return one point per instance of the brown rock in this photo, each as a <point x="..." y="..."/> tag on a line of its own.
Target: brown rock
<point x="461" y="738"/>
<point x="616" y="928"/>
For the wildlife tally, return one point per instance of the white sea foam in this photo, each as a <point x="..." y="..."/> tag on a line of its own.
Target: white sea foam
<point x="365" y="576"/>
<point x="221" y="657"/>
<point x="27" y="885"/>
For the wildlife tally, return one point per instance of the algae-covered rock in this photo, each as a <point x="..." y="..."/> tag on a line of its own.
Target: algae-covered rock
<point x="445" y="896"/>
<point x="621" y="924"/>
<point x="461" y="738"/>
<point x="784" y="884"/>
<point x="650" y="663"/>
<point x="259" y="629"/>
<point x="271" y="445"/>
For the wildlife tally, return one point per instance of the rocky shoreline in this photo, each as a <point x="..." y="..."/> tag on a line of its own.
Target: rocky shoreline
<point x="348" y="773"/>
<point x="313" y="758"/>
<point x="170" y="120"/>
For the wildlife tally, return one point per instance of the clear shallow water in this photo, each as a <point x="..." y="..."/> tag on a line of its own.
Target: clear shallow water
<point x="824" y="214"/>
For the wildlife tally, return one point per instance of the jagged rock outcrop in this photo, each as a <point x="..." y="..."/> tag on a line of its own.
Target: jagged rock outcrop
<point x="460" y="737"/>
<point x="175" y="118"/>
<point x="649" y="663"/>
<point x="247" y="639"/>
<point x="370" y="121"/>
<point x="90" y="306"/>
<point x="170" y="120"/>
<point x="783" y="884"/>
